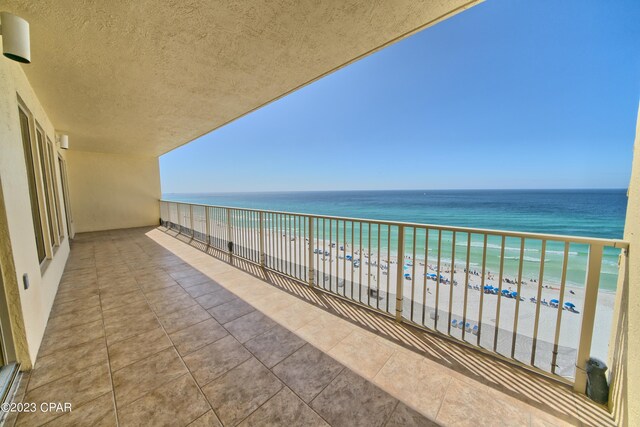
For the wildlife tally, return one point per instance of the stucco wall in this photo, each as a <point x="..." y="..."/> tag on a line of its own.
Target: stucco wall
<point x="35" y="303"/>
<point x="110" y="191"/>
<point x="629" y="411"/>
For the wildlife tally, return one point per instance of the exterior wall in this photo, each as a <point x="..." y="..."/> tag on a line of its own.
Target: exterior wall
<point x="110" y="191"/>
<point x="626" y="382"/>
<point x="35" y="303"/>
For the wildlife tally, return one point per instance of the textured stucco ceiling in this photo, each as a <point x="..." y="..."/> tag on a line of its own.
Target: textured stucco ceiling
<point x="147" y="76"/>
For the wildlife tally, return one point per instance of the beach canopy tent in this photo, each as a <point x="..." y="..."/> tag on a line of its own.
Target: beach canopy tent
<point x="554" y="301"/>
<point x="505" y="292"/>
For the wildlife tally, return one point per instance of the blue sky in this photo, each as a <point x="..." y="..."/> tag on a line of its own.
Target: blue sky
<point x="509" y="94"/>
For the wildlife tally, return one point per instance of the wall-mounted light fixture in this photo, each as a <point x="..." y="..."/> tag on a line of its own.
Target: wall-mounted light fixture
<point x="15" y="38"/>
<point x="63" y="141"/>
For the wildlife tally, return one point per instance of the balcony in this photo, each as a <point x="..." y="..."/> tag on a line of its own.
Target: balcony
<point x="153" y="327"/>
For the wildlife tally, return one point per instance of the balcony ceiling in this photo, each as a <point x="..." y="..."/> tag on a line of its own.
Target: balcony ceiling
<point x="145" y="77"/>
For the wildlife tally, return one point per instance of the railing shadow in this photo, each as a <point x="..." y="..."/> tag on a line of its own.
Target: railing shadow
<point x="545" y="394"/>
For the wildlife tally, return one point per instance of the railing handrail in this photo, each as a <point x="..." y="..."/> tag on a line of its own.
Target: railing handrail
<point x="615" y="243"/>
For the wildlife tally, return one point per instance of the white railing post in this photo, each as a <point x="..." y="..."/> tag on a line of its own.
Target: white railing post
<point x="193" y="231"/>
<point x="399" y="275"/>
<point x="207" y="225"/>
<point x="310" y="252"/>
<point x="261" y="225"/>
<point x="594" y="265"/>
<point x="229" y="242"/>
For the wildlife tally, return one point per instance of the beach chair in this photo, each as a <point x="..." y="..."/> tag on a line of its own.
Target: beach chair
<point x="474" y="331"/>
<point x="454" y="323"/>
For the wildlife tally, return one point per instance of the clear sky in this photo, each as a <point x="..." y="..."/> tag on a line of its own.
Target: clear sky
<point x="509" y="94"/>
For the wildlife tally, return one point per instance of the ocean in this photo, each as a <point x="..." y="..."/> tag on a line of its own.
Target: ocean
<point x="589" y="213"/>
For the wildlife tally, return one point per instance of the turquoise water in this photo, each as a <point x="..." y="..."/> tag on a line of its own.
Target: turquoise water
<point x="589" y="213"/>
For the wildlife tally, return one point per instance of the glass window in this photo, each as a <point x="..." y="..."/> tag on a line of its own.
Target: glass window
<point x="46" y="179"/>
<point x="33" y="190"/>
<point x="54" y="184"/>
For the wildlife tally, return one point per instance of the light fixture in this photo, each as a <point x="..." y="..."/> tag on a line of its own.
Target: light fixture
<point x="15" y="38"/>
<point x="63" y="140"/>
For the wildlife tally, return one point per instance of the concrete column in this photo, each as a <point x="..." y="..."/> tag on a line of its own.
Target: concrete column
<point x="624" y="398"/>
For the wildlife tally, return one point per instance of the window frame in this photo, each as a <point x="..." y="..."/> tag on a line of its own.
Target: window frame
<point x="52" y="155"/>
<point x="34" y="183"/>
<point x="45" y="182"/>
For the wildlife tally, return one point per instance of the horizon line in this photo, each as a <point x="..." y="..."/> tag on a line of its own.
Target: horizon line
<point x="401" y="189"/>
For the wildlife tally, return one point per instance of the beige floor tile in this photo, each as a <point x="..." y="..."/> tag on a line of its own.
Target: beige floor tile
<point x="135" y="307"/>
<point x="250" y="325"/>
<point x="100" y="412"/>
<point x="274" y="345"/>
<point x="241" y="391"/>
<point x="119" y="283"/>
<point x="200" y="289"/>
<point x="164" y="294"/>
<point x="129" y="326"/>
<point x="362" y="353"/>
<point x="403" y="416"/>
<point x="75" y="306"/>
<point x="136" y="380"/>
<point x="271" y="304"/>
<point x="406" y="377"/>
<point x="74" y="318"/>
<point x="352" y="401"/>
<point x="181" y="319"/>
<point x="195" y="279"/>
<point x="308" y="371"/>
<point x="176" y="403"/>
<point x="464" y="405"/>
<point x="296" y="315"/>
<point x="325" y="331"/>
<point x="56" y="340"/>
<point x="65" y="362"/>
<point x="196" y="336"/>
<point x="138" y="347"/>
<point x="209" y="419"/>
<point x="110" y="300"/>
<point x="284" y="409"/>
<point x="208" y="363"/>
<point x="165" y="307"/>
<point x="216" y="298"/>
<point x="74" y="295"/>
<point x="231" y="310"/>
<point x="78" y="388"/>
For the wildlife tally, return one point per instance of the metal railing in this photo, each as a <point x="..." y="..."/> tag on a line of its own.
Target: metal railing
<point x="528" y="298"/>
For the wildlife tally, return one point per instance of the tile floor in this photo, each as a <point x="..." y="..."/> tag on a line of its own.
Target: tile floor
<point x="147" y="329"/>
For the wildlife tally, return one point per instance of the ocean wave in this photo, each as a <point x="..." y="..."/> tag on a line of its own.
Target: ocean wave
<point x="527" y="258"/>
<point x="512" y="249"/>
<point x="562" y="252"/>
<point x="494" y="246"/>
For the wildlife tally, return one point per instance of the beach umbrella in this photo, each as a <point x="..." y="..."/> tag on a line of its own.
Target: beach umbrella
<point x="514" y="294"/>
<point x="554" y="301"/>
<point x="569" y="304"/>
